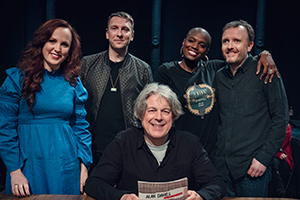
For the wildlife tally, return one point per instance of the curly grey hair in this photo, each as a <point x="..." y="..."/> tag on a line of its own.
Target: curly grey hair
<point x="162" y="91"/>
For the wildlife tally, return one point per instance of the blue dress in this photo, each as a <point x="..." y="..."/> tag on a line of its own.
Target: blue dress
<point x="49" y="144"/>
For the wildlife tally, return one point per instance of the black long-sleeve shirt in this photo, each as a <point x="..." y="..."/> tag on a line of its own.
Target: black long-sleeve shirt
<point x="253" y="119"/>
<point x="179" y="80"/>
<point x="128" y="160"/>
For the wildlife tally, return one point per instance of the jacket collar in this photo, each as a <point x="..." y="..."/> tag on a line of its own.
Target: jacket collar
<point x="106" y="58"/>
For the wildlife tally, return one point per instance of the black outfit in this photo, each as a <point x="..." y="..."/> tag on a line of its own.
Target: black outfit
<point x="253" y="119"/>
<point x="108" y="115"/>
<point x="179" y="80"/>
<point x="128" y="159"/>
<point x="281" y="172"/>
<point x="109" y="112"/>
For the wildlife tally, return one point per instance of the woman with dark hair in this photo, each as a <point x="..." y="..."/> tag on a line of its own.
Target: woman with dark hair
<point x="44" y="138"/>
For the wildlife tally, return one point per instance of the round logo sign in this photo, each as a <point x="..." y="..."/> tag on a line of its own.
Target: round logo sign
<point x="200" y="99"/>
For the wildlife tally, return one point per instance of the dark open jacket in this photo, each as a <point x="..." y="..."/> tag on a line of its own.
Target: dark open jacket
<point x="134" y="75"/>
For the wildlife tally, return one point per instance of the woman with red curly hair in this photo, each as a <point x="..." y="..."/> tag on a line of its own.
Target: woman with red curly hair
<point x="44" y="138"/>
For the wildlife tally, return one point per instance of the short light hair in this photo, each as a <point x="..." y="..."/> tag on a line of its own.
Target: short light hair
<point x="162" y="91"/>
<point x="237" y="23"/>
<point x="124" y="15"/>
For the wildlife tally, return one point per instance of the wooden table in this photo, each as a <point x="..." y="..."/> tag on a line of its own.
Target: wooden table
<point x="46" y="197"/>
<point x="84" y="197"/>
<point x="255" y="198"/>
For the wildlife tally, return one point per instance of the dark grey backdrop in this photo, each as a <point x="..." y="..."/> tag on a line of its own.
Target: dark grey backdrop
<point x="19" y="18"/>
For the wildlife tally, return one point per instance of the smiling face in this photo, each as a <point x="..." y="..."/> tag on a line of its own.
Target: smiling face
<point x="196" y="44"/>
<point x="236" y="45"/>
<point x="119" y="33"/>
<point x="157" y="120"/>
<point x="56" y="49"/>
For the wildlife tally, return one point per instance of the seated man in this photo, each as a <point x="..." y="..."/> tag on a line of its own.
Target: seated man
<point x="155" y="153"/>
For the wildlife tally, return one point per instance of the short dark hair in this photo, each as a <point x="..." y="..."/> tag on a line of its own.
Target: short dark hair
<point x="237" y="23"/>
<point x="124" y="15"/>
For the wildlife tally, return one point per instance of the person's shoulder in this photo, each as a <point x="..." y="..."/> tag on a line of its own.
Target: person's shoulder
<point x="81" y="93"/>
<point x="138" y="61"/>
<point x="90" y="61"/>
<point x="215" y="64"/>
<point x="168" y="65"/>
<point x="15" y="74"/>
<point x="186" y="136"/>
<point x="12" y="85"/>
<point x="93" y="56"/>
<point x="79" y="85"/>
<point x="222" y="69"/>
<point x="128" y="133"/>
<point x="14" y="70"/>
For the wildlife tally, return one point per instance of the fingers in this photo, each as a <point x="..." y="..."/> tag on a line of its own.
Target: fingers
<point x="256" y="169"/>
<point x="264" y="73"/>
<point x="271" y="77"/>
<point x="267" y="78"/>
<point x="258" y="67"/>
<point x="192" y="195"/>
<point x="26" y="188"/>
<point x="250" y="172"/>
<point x="15" y="190"/>
<point x="81" y="187"/>
<point x="129" y="197"/>
<point x="83" y="177"/>
<point x="269" y="68"/>
<point x="255" y="173"/>
<point x="277" y="73"/>
<point x="21" y="190"/>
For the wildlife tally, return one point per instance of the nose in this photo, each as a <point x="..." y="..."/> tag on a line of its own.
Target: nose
<point x="158" y="116"/>
<point x="230" y="45"/>
<point x="57" y="48"/>
<point x="194" y="46"/>
<point x="119" y="32"/>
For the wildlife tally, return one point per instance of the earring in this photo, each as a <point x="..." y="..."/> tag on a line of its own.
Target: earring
<point x="180" y="51"/>
<point x="207" y="59"/>
<point x="202" y="61"/>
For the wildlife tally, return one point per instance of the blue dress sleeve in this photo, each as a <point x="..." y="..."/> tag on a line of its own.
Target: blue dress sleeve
<point x="10" y="93"/>
<point x="80" y="125"/>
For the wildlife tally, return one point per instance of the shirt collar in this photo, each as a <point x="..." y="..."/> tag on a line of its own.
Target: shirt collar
<point x="141" y="140"/>
<point x="54" y="73"/>
<point x="243" y="68"/>
<point x="107" y="61"/>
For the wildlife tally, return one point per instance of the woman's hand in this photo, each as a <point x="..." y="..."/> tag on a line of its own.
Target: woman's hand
<point x="83" y="176"/>
<point x="192" y="195"/>
<point x="269" y="66"/>
<point x="19" y="184"/>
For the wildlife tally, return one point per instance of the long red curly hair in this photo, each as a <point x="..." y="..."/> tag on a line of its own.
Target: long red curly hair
<point x="32" y="59"/>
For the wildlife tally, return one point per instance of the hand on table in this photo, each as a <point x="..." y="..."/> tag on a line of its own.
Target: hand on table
<point x="19" y="184"/>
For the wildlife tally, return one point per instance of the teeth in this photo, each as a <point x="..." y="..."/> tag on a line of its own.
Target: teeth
<point x="192" y="52"/>
<point x="157" y="125"/>
<point x="55" y="55"/>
